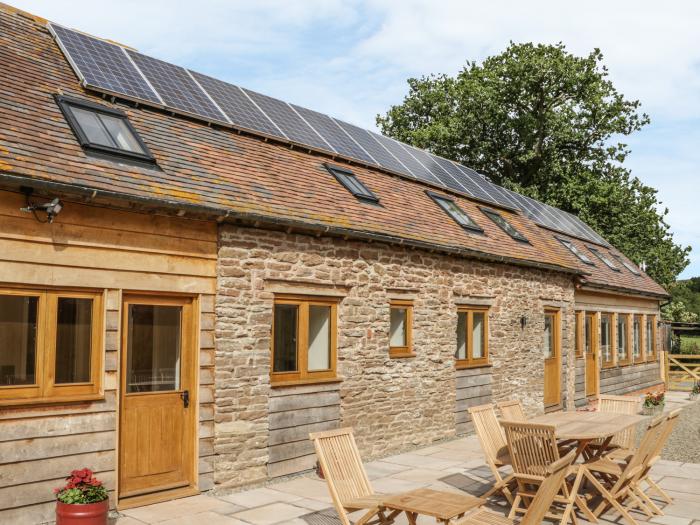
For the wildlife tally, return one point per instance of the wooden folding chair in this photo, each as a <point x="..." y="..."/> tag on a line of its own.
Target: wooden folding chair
<point x="347" y="480"/>
<point x="624" y="477"/>
<point x="533" y="447"/>
<point x="541" y="503"/>
<point x="493" y="444"/>
<point x="622" y="442"/>
<point x="512" y="410"/>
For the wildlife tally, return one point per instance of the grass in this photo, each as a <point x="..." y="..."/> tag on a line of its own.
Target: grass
<point x="690" y="344"/>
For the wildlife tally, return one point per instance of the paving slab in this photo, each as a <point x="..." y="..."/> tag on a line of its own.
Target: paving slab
<point x="258" y="497"/>
<point x="271" y="514"/>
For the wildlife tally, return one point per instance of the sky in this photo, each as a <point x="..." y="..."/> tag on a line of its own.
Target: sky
<point x="351" y="59"/>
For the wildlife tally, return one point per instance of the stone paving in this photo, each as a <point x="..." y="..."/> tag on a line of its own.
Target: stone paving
<point x="455" y="466"/>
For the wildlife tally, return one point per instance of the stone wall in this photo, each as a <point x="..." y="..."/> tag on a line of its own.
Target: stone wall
<point x="392" y="404"/>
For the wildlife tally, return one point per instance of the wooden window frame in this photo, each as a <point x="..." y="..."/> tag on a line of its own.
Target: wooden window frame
<point x="469" y="361"/>
<point x="654" y="351"/>
<point x="302" y="375"/>
<point x="407" y="350"/>
<point x="611" y="340"/>
<point x="580" y="334"/>
<point x="642" y="329"/>
<point x="46" y="390"/>
<point x="628" y="343"/>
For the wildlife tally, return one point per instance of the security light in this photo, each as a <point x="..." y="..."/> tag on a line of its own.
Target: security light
<point x="51" y="209"/>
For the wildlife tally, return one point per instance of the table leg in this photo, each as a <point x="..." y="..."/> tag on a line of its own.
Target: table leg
<point x="411" y="517"/>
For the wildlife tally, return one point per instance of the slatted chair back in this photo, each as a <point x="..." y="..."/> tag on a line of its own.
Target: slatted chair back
<point x="533" y="447"/>
<point x="487" y="428"/>
<point x="512" y="410"/>
<point x="669" y="424"/>
<point x="556" y="472"/>
<point x="342" y="466"/>
<point x="620" y="405"/>
<point x="643" y="454"/>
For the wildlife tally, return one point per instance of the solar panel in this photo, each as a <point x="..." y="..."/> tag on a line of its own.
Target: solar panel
<point x="176" y="87"/>
<point x="412" y="166"/>
<point x="449" y="167"/>
<point x="334" y="134"/>
<point x="371" y="146"/>
<point x="102" y="65"/>
<point x="426" y="159"/>
<point x="288" y="121"/>
<point x="476" y="184"/>
<point x="237" y="106"/>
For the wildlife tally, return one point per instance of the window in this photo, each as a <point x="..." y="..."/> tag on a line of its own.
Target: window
<point x="401" y="329"/>
<point x="103" y="130"/>
<point x="504" y="224"/>
<point x="580" y="339"/>
<point x="574" y="249"/>
<point x="348" y="179"/>
<point x="50" y="345"/>
<point x="651" y="338"/>
<point x="604" y="258"/>
<point x="606" y="339"/>
<point x="472" y="337"/>
<point x="588" y="333"/>
<point x="627" y="265"/>
<point x="551" y="328"/>
<point x="623" y="351"/>
<point x="453" y="210"/>
<point x="303" y="339"/>
<point x="637" y="354"/>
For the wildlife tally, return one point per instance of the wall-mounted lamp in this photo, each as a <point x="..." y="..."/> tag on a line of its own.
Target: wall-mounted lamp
<point x="523" y="322"/>
<point x="51" y="209"/>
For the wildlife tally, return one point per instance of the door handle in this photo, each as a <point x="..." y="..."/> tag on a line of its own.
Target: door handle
<point x="185" y="396"/>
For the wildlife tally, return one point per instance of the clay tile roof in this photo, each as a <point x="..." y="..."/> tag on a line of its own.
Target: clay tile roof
<point x="226" y="173"/>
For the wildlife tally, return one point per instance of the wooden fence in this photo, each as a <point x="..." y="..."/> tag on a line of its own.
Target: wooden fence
<point x="682" y="371"/>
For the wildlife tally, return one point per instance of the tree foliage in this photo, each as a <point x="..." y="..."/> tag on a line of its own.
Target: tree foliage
<point x="548" y="124"/>
<point x="685" y="306"/>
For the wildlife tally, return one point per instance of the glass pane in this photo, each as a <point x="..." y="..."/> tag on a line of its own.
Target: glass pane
<point x="73" y="340"/>
<point x="650" y="337"/>
<point x="636" y="341"/>
<point x="319" y="338"/>
<point x="478" y="335"/>
<point x="548" y="337"/>
<point x="461" y="335"/>
<point x="92" y="127"/>
<point x="153" y="351"/>
<point x="121" y="134"/>
<point x="18" y="340"/>
<point x="622" y="336"/>
<point x="397" y="334"/>
<point x="605" y="337"/>
<point x="587" y="335"/>
<point x="285" y="354"/>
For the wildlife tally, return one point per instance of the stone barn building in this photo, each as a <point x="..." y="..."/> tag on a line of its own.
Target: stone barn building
<point x="194" y="276"/>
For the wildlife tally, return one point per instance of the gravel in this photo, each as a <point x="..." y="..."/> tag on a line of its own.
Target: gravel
<point x="684" y="443"/>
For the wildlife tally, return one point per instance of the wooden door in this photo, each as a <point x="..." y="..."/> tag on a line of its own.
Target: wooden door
<point x="552" y="358"/>
<point x="158" y="398"/>
<point x="590" y="345"/>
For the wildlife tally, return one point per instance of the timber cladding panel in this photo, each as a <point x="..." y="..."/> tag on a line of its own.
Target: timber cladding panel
<point x="392" y="404"/>
<point x="473" y="389"/>
<point x="621" y="380"/>
<point x="112" y="250"/>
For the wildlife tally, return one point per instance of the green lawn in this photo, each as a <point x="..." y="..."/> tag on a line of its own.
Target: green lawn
<point x="690" y="344"/>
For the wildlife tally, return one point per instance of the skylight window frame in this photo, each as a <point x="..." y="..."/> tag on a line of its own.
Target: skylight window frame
<point x="576" y="251"/>
<point x="494" y="216"/>
<point x="67" y="103"/>
<point x="344" y="176"/>
<point x="606" y="260"/>
<point x="627" y="265"/>
<point x="472" y="226"/>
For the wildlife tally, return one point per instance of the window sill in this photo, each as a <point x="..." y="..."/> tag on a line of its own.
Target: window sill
<point x="402" y="355"/>
<point x="30" y="402"/>
<point x="311" y="381"/>
<point x="466" y="366"/>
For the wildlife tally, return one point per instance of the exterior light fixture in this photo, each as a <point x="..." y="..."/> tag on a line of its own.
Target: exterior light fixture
<point x="51" y="208"/>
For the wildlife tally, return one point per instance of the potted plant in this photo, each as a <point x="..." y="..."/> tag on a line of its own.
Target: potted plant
<point x="695" y="391"/>
<point x="83" y="500"/>
<point x="654" y="403"/>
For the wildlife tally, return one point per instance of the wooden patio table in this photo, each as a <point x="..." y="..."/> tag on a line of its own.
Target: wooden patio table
<point x="585" y="427"/>
<point x="443" y="506"/>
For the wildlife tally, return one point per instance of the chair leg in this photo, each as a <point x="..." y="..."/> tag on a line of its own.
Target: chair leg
<point x="640" y="504"/>
<point x="648" y="501"/>
<point x="668" y="499"/>
<point x="609" y="498"/>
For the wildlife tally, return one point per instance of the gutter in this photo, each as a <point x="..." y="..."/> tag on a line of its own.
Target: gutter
<point x="222" y="214"/>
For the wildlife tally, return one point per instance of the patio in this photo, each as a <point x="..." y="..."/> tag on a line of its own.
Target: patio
<point x="456" y="466"/>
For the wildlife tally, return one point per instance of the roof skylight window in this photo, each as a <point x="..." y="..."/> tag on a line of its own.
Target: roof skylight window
<point x="627" y="265"/>
<point x="574" y="249"/>
<point x="354" y="185"/>
<point x="502" y="223"/>
<point x="453" y="210"/>
<point x="604" y="258"/>
<point x="103" y="130"/>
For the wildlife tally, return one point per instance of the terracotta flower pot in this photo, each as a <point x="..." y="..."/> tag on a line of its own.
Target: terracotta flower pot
<point x="87" y="514"/>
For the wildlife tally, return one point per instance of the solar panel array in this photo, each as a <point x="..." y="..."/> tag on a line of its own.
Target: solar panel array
<point x="115" y="70"/>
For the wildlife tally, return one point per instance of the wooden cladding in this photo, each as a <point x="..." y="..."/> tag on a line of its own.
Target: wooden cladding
<point x="304" y="339"/>
<point x="472" y="337"/>
<point x="50" y="345"/>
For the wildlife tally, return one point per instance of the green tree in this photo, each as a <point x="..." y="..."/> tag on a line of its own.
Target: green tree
<point x="688" y="293"/>
<point x="548" y="124"/>
<point x="677" y="312"/>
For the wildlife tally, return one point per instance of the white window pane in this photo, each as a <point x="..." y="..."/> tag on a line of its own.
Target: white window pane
<point x="605" y="338"/>
<point x="650" y="337"/>
<point x="636" y="339"/>
<point x="547" y="336"/>
<point x="621" y="336"/>
<point x="92" y="127"/>
<point x="478" y="336"/>
<point x="397" y="330"/>
<point x="121" y="134"/>
<point x="461" y="335"/>
<point x="319" y="338"/>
